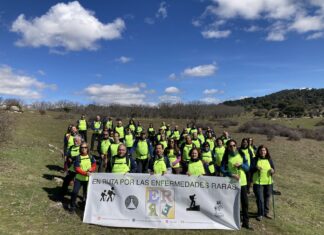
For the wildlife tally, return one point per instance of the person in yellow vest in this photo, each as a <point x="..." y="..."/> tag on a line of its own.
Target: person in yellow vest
<point x="208" y="159"/>
<point x="84" y="165"/>
<point x="168" y="131"/>
<point x="159" y="164"/>
<point x="249" y="156"/>
<point x="210" y="139"/>
<point x="121" y="163"/>
<point x="201" y="135"/>
<point x="143" y="151"/>
<point x="185" y="150"/>
<point x="262" y="169"/>
<point x="139" y="129"/>
<point x="129" y="139"/>
<point x="252" y="147"/>
<point x="113" y="148"/>
<point x="188" y="128"/>
<point x="158" y="136"/>
<point x="163" y="141"/>
<point x="196" y="140"/>
<point x="109" y="124"/>
<point x="131" y="125"/>
<point x="195" y="165"/>
<point x="163" y="126"/>
<point x="83" y="127"/>
<point x="72" y="153"/>
<point x="97" y="129"/>
<point x="173" y="153"/>
<point x="235" y="165"/>
<point x="183" y="136"/>
<point x="151" y="133"/>
<point x="225" y="137"/>
<point x="69" y="138"/>
<point x="193" y="129"/>
<point x="103" y="148"/>
<point x="176" y="133"/>
<point x="120" y="129"/>
<point x="219" y="151"/>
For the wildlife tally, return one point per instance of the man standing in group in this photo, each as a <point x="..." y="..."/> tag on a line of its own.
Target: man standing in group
<point x="97" y="129"/>
<point x="143" y="151"/>
<point x="121" y="163"/>
<point x="120" y="129"/>
<point x="83" y="126"/>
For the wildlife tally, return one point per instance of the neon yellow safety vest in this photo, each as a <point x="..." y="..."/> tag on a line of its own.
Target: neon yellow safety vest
<point x="97" y="126"/>
<point x="139" y="130"/>
<point x="151" y="131"/>
<point x="114" y="149"/>
<point x="74" y="152"/>
<point x="163" y="127"/>
<point x="164" y="143"/>
<point x="158" y="137"/>
<point x="159" y="166"/>
<point x="109" y="125"/>
<point x="142" y="150"/>
<point x="129" y="140"/>
<point x="132" y="127"/>
<point x="202" y="138"/>
<point x="193" y="131"/>
<point x="172" y="157"/>
<point x="207" y="157"/>
<point x="237" y="158"/>
<point x="168" y="133"/>
<point x="85" y="165"/>
<point x="188" y="129"/>
<point x="82" y="125"/>
<point x="185" y="152"/>
<point x="120" y="165"/>
<point x="263" y="177"/>
<point x="70" y="141"/>
<point x="247" y="155"/>
<point x="104" y="146"/>
<point x="196" y="168"/>
<point x="219" y="153"/>
<point x="211" y="143"/>
<point x="197" y="143"/>
<point x="120" y="131"/>
<point x="176" y="135"/>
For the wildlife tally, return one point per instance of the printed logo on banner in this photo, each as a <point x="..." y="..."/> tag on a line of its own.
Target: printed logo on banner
<point x="131" y="202"/>
<point x="219" y="209"/>
<point x="108" y="195"/>
<point x="160" y="203"/>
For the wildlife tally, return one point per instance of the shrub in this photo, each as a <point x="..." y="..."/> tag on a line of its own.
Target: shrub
<point x="42" y="112"/>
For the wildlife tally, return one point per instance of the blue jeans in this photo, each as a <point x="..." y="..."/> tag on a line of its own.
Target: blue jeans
<point x="76" y="189"/>
<point x="262" y="195"/>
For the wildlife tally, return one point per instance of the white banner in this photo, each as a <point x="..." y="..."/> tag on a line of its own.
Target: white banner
<point x="168" y="202"/>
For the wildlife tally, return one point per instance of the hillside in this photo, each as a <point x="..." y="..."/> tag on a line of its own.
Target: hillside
<point x="295" y="102"/>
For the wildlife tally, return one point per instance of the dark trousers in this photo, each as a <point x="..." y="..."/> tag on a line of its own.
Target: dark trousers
<point x="249" y="180"/>
<point x="184" y="165"/>
<point x="142" y="165"/>
<point x="245" y="205"/>
<point x="94" y="137"/>
<point x="84" y="135"/>
<point x="262" y="195"/>
<point x="76" y="189"/>
<point x="66" y="182"/>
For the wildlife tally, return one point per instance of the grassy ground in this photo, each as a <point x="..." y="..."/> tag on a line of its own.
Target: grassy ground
<point x="27" y="184"/>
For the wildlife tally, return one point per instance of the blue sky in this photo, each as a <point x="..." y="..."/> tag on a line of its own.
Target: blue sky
<point x="147" y="52"/>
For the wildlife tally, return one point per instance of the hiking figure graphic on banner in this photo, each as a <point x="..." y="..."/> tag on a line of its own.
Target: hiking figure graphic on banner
<point x="111" y="194"/>
<point x="193" y="206"/>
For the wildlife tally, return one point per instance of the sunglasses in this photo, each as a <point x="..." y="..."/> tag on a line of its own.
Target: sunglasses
<point x="83" y="147"/>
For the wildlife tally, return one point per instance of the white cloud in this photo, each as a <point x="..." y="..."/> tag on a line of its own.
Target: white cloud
<point x="124" y="59"/>
<point x="115" y="93"/>
<point x="162" y="11"/>
<point x="170" y="99"/>
<point x="172" y="76"/>
<point x="149" y="20"/>
<point x="200" y="71"/>
<point x="212" y="91"/>
<point x="67" y="26"/>
<point x="305" y="24"/>
<point x="315" y="36"/>
<point x="211" y="100"/>
<point x="279" y="17"/>
<point x="150" y="91"/>
<point x="41" y="72"/>
<point x="14" y="84"/>
<point x="252" y="28"/>
<point x="171" y="90"/>
<point x="216" y="33"/>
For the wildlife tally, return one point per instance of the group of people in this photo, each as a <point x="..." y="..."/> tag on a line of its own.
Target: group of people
<point x="193" y="151"/>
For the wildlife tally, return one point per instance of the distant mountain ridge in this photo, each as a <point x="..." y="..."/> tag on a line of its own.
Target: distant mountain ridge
<point x="294" y="102"/>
